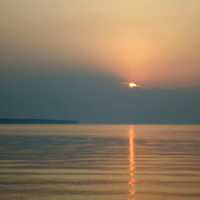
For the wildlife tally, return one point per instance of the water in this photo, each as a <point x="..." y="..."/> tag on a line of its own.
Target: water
<point x="99" y="162"/>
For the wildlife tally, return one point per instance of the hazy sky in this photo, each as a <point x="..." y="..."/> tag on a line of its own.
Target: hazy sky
<point x="70" y="59"/>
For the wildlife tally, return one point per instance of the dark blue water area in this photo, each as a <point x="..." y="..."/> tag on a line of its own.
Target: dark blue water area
<point x="170" y="146"/>
<point x="57" y="147"/>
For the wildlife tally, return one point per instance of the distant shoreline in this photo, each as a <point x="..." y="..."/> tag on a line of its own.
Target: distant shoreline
<point x="58" y="121"/>
<point x="36" y="121"/>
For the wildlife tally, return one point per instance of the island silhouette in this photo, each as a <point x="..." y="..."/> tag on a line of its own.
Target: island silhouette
<point x="35" y="121"/>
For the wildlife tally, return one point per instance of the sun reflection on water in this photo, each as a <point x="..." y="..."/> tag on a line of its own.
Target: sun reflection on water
<point x="132" y="190"/>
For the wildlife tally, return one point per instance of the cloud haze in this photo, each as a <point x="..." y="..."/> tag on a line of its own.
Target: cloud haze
<point x="65" y="59"/>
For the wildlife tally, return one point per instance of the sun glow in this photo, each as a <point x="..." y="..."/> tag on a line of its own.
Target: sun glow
<point x="132" y="85"/>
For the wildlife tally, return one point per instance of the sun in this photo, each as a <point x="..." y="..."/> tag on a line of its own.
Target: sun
<point x="132" y="85"/>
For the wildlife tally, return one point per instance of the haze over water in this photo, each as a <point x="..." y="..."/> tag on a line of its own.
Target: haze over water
<point x="113" y="162"/>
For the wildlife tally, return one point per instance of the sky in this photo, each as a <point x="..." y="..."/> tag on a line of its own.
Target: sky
<point x="73" y="60"/>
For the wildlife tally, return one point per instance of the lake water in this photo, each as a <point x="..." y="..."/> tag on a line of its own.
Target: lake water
<point x="99" y="162"/>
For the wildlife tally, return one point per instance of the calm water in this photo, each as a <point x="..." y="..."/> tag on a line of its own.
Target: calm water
<point x="97" y="162"/>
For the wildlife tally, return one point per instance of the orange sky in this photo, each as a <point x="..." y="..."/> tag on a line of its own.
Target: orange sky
<point x="155" y="43"/>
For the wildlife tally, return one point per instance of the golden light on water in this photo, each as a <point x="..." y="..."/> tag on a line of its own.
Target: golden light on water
<point x="131" y="163"/>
